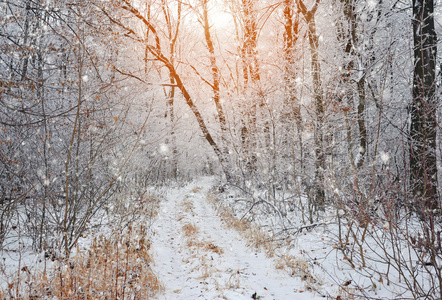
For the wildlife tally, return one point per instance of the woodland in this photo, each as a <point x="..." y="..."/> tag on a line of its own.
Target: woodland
<point x="307" y="114"/>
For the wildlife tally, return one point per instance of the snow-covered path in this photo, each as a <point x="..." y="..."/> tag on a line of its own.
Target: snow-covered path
<point x="197" y="257"/>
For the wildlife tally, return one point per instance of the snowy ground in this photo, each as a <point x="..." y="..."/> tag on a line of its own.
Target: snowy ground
<point x="197" y="257"/>
<point x="197" y="253"/>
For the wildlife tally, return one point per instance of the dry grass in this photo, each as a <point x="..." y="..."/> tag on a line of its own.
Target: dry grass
<point x="347" y="293"/>
<point x="144" y="204"/>
<point x="199" y="249"/>
<point x="189" y="230"/>
<point x="204" y="246"/>
<point x="214" y="248"/>
<point x="194" y="243"/>
<point x="206" y="269"/>
<point x="196" y="190"/>
<point x="234" y="281"/>
<point x="256" y="237"/>
<point x="112" y="268"/>
<point x="116" y="266"/>
<point x="260" y="240"/>
<point x="295" y="267"/>
<point x="187" y="205"/>
<point x="226" y="214"/>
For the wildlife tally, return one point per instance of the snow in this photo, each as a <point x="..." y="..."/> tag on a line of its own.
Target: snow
<point x="164" y="148"/>
<point x="385" y="157"/>
<point x="236" y="272"/>
<point x="196" y="255"/>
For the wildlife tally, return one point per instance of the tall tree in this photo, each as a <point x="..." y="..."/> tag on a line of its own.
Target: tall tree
<point x="250" y="40"/>
<point x="216" y="78"/>
<point x="158" y="55"/>
<point x="309" y="16"/>
<point x="422" y="109"/>
<point x="172" y="36"/>
<point x="291" y="32"/>
<point x="251" y="75"/>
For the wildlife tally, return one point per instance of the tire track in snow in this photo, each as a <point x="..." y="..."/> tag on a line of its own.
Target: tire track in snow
<point x="192" y="272"/>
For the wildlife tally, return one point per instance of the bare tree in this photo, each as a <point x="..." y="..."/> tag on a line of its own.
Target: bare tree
<point x="309" y="17"/>
<point x="423" y="108"/>
<point x="158" y="55"/>
<point x="172" y="37"/>
<point x="216" y="81"/>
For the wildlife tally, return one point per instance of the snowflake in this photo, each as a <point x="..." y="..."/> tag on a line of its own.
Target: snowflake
<point x="385" y="157"/>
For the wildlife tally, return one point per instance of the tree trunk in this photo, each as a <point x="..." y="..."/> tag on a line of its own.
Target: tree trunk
<point x="423" y="125"/>
<point x="251" y="76"/>
<point x="172" y="38"/>
<point x="309" y="16"/>
<point x="291" y="115"/>
<point x="216" y="77"/>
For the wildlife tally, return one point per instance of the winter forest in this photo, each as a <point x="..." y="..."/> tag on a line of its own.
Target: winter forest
<point x="220" y="149"/>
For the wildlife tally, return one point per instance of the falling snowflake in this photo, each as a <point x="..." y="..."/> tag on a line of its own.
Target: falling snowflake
<point x="385" y="157"/>
<point x="164" y="148"/>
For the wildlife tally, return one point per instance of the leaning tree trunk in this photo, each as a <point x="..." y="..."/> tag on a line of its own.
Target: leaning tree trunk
<point x="216" y="80"/>
<point x="423" y="163"/>
<point x="156" y="52"/>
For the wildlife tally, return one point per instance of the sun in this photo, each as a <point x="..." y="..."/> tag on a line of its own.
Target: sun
<point x="220" y="17"/>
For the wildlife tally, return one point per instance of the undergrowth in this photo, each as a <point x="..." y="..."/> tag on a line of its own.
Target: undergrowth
<point x="115" y="265"/>
<point x="261" y="240"/>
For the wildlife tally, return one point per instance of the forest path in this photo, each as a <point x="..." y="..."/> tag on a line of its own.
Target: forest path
<point x="197" y="257"/>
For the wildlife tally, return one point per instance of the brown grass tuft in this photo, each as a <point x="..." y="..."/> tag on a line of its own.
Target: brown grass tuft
<point x="189" y="229"/>
<point x="188" y="205"/>
<point x="214" y="248"/>
<point x="196" y="190"/>
<point x="204" y="245"/>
